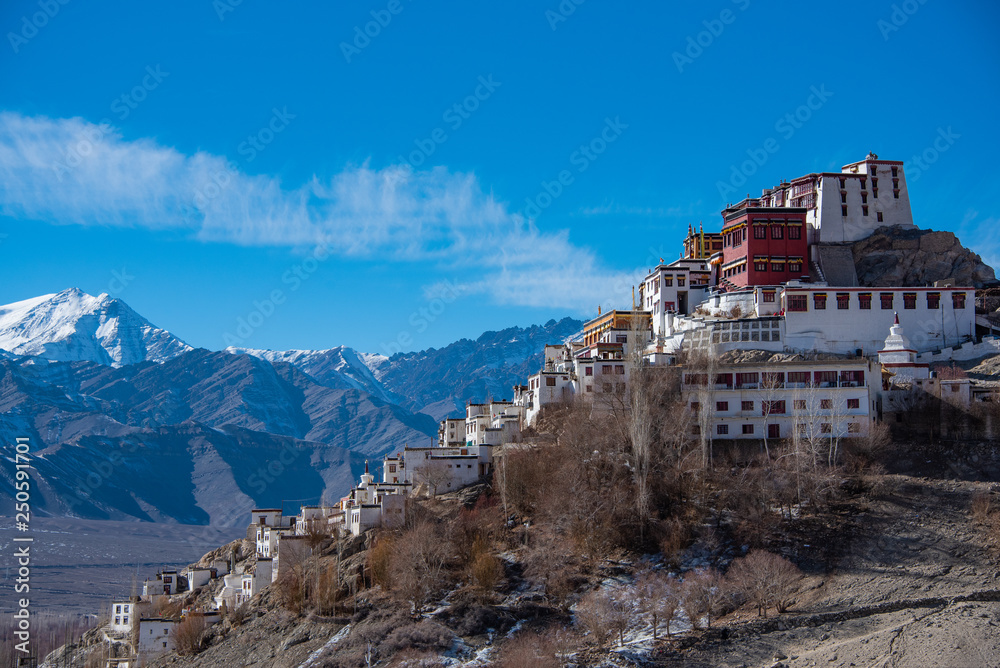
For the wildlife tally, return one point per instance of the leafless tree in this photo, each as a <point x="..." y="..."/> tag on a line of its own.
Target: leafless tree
<point x="432" y="472"/>
<point x="187" y="635"/>
<point x="418" y="565"/>
<point x="656" y="597"/>
<point x="768" y="389"/>
<point x="607" y="612"/>
<point x="766" y="579"/>
<point x="702" y="594"/>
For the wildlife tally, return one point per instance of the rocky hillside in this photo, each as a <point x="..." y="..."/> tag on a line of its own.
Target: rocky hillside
<point x="896" y="257"/>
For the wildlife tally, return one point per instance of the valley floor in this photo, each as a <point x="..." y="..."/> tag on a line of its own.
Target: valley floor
<point x="79" y="565"/>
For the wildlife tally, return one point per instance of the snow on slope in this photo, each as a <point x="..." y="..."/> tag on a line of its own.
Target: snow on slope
<point x="335" y="367"/>
<point x="74" y="326"/>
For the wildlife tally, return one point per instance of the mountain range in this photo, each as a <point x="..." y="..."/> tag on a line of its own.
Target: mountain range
<point x="129" y="422"/>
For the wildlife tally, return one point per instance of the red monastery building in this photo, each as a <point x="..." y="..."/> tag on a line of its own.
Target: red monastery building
<point x="763" y="245"/>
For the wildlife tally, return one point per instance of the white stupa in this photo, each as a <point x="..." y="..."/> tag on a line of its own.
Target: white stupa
<point x="898" y="357"/>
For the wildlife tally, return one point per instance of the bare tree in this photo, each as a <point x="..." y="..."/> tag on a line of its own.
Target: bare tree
<point x="656" y="597"/>
<point x="702" y="594"/>
<point x="768" y="388"/>
<point x="187" y="635"/>
<point x="434" y="473"/>
<point x="766" y="579"/>
<point x="607" y="612"/>
<point x="418" y="564"/>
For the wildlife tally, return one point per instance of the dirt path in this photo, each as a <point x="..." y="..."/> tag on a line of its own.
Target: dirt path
<point x="914" y="588"/>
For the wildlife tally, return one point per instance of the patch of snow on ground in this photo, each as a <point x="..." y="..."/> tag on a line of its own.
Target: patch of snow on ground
<point x="337" y="637"/>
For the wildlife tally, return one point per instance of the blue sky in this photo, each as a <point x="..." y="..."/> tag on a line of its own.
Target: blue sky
<point x="215" y="164"/>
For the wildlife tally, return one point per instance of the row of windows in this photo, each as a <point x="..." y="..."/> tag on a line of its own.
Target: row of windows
<point x="774" y="430"/>
<point x="777" y="231"/>
<point x="606" y="369"/>
<point x="776" y="407"/>
<point x="800" y="302"/>
<point x="778" y="379"/>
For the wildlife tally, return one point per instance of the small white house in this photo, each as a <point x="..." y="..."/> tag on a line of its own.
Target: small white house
<point x="165" y="583"/>
<point x="123" y="616"/>
<point x="197" y="576"/>
<point x="155" y="637"/>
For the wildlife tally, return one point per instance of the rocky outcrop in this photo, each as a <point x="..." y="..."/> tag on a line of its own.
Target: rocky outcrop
<point x="896" y="257"/>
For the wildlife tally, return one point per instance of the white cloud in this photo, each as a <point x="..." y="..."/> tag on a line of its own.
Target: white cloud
<point x="71" y="171"/>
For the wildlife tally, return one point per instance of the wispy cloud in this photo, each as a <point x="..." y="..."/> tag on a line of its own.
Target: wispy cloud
<point x="616" y="209"/>
<point x="71" y="171"/>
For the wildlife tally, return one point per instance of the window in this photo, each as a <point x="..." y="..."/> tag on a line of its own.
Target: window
<point x="933" y="300"/>
<point x="864" y="198"/>
<point x="795" y="267"/>
<point x="797" y="303"/>
<point x="550" y="382"/>
<point x="800" y="427"/>
<point x="777" y="232"/>
<point x="853" y="403"/>
<point x="874" y="190"/>
<point x="864" y="183"/>
<point x="760" y="266"/>
<point x="722" y="406"/>
<point x="865" y="300"/>
<point x="895" y="172"/>
<point x="826" y="404"/>
<point x="746" y="380"/>
<point x="843" y="300"/>
<point x="826" y="428"/>
<point x="620" y="369"/>
<point x="878" y="214"/>
<point x="696" y="430"/>
<point x="392" y="468"/>
<point x="747" y="405"/>
<point x="773" y="431"/>
<point x="819" y="301"/>
<point x="760" y="231"/>
<point x="748" y="429"/>
<point x="958" y="300"/>
<point x="777" y="266"/>
<point x="722" y="429"/>
<point x="695" y="406"/>
<point x="680" y="281"/>
<point x="909" y="300"/>
<point x="794" y="231"/>
<point x="864" y="209"/>
<point x="668" y="281"/>
<point x="843" y="211"/>
<point x="843" y="183"/>
<point x="798" y="377"/>
<point x="826" y="378"/>
<point x="773" y="407"/>
<point x="588" y="371"/>
<point x="799" y="404"/>
<point x="605" y="369"/>
<point x="853" y="427"/>
<point x="843" y="197"/>
<point x="886" y="298"/>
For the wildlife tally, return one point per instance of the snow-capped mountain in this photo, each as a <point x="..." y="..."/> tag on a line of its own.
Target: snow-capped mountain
<point x="73" y="326"/>
<point x="339" y="367"/>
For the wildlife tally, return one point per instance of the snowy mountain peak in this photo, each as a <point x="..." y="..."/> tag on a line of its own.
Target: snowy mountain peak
<point x="339" y="367"/>
<point x="74" y="326"/>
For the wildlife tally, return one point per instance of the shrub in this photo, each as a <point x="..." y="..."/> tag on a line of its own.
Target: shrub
<point x="187" y="635"/>
<point x="529" y="649"/>
<point x="379" y="560"/>
<point x="423" y="635"/>
<point x="980" y="507"/>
